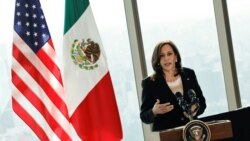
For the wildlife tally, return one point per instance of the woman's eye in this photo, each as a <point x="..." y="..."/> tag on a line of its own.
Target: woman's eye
<point x="169" y="54"/>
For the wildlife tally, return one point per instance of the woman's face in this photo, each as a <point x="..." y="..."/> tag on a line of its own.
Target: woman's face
<point x="167" y="58"/>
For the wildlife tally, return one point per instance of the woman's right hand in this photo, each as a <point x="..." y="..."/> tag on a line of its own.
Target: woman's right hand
<point x="162" y="108"/>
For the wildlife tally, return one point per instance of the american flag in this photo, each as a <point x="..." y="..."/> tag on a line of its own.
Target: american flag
<point x="37" y="93"/>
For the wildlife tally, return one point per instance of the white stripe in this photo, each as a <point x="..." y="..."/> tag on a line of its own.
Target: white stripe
<point x="34" y="113"/>
<point x="31" y="56"/>
<point x="75" y="136"/>
<point x="32" y="84"/>
<point x="48" y="49"/>
<point x="78" y="82"/>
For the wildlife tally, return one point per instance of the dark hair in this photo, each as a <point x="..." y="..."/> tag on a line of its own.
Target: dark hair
<point x="157" y="56"/>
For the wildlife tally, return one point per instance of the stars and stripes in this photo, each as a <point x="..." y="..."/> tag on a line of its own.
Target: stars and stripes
<point x="30" y="24"/>
<point x="37" y="94"/>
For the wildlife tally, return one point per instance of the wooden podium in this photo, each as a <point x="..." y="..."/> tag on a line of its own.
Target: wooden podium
<point x="221" y="130"/>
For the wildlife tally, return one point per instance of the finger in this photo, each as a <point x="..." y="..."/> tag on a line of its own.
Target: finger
<point x="167" y="108"/>
<point x="171" y="107"/>
<point x="166" y="104"/>
<point x="157" y="101"/>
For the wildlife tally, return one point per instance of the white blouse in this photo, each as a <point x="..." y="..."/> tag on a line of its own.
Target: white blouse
<point x="176" y="86"/>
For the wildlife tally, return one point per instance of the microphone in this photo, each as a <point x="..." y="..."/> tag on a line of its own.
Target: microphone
<point x="181" y="101"/>
<point x="193" y="99"/>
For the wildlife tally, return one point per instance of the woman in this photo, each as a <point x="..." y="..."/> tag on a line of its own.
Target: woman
<point x="159" y="102"/>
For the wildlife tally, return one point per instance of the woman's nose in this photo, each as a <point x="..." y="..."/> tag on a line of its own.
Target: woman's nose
<point x="166" y="57"/>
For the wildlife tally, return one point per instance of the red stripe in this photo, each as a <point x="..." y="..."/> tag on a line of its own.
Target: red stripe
<point x="50" y="42"/>
<point x="29" y="67"/>
<point x="22" y="113"/>
<point x="39" y="105"/>
<point x="97" y="117"/>
<point x="44" y="57"/>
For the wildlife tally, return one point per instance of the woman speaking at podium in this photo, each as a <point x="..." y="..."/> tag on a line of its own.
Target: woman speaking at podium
<point x="160" y="105"/>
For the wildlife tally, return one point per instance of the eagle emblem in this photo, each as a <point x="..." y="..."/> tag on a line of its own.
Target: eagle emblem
<point x="85" y="53"/>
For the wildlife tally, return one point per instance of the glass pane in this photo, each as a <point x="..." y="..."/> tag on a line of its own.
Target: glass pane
<point x="191" y="26"/>
<point x="111" y="22"/>
<point x="239" y="16"/>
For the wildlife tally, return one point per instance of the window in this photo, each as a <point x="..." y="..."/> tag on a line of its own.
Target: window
<point x="191" y="26"/>
<point x="240" y="29"/>
<point x="111" y="22"/>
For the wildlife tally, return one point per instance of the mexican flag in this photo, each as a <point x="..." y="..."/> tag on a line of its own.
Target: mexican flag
<point x="89" y="92"/>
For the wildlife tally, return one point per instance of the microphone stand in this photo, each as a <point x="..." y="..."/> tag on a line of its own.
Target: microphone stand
<point x="190" y="114"/>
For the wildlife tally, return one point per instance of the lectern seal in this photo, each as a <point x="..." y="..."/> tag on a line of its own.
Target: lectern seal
<point x="196" y="130"/>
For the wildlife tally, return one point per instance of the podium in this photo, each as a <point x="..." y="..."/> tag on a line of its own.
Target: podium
<point x="221" y="130"/>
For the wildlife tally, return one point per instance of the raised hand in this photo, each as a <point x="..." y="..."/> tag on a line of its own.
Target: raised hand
<point x="162" y="108"/>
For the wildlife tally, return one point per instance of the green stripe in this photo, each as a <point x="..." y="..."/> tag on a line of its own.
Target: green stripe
<point x="73" y="10"/>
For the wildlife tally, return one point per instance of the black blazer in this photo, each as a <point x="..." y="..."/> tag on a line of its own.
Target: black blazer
<point x="158" y="89"/>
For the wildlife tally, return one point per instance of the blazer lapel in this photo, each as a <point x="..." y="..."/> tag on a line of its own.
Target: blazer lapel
<point x="185" y="82"/>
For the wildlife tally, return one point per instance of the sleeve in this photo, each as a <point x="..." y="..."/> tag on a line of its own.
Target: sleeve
<point x="146" y="113"/>
<point x="199" y="94"/>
